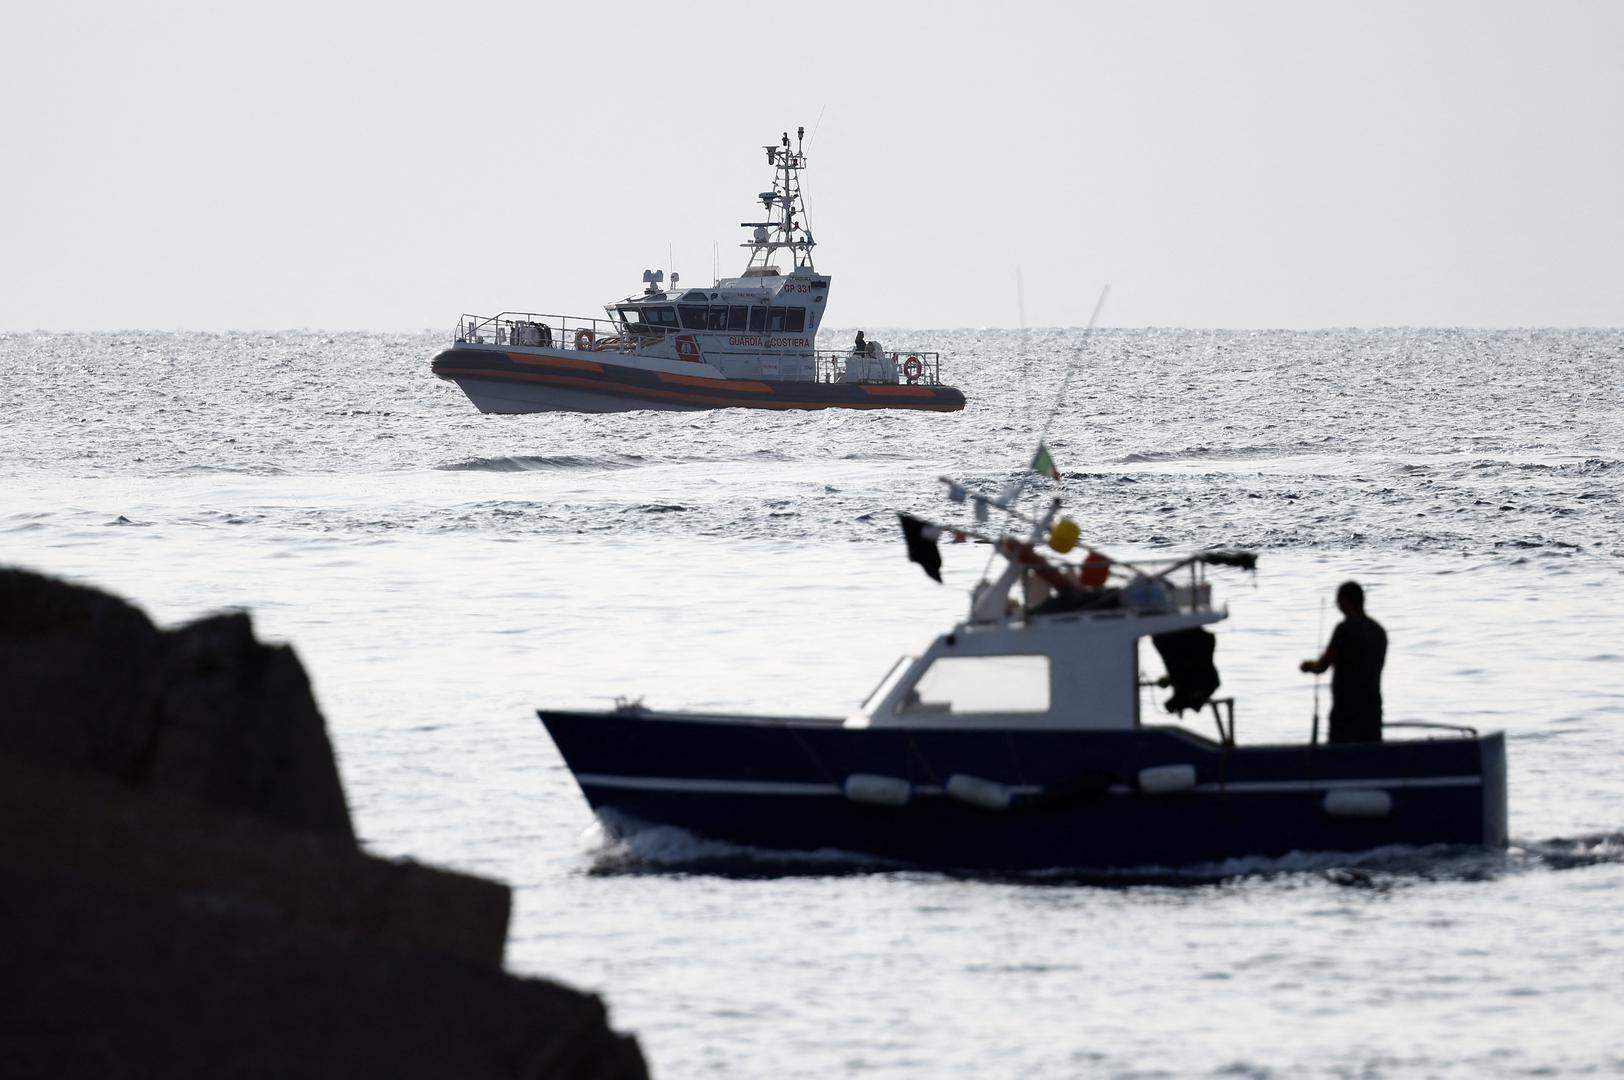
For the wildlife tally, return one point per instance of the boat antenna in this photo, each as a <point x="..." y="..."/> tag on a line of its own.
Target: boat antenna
<point x="815" y="124"/>
<point x="1071" y="365"/>
<point x="1319" y="639"/>
<point x="1012" y="494"/>
<point x="1026" y="349"/>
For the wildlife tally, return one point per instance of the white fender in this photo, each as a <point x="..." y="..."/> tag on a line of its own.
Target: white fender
<point x="987" y="794"/>
<point x="1358" y="803"/>
<point x="877" y="790"/>
<point x="1162" y="779"/>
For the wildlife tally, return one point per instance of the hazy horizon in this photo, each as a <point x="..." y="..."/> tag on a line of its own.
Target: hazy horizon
<point x="389" y="167"/>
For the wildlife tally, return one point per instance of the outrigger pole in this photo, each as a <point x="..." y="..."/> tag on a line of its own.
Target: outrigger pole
<point x="1008" y="498"/>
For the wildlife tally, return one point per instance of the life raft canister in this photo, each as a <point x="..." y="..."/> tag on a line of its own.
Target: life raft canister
<point x="584" y="338"/>
<point x="912" y="368"/>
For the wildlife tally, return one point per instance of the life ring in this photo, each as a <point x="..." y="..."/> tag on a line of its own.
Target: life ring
<point x="912" y="368"/>
<point x="584" y="338"/>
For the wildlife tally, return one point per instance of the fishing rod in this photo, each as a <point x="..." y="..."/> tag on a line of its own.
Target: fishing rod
<point x="1319" y="637"/>
<point x="1071" y="366"/>
<point x="1011" y="495"/>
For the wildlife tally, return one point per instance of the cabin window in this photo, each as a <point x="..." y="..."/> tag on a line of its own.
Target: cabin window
<point x="796" y="319"/>
<point x="717" y="319"/>
<point x="693" y="317"/>
<point x="631" y="316"/>
<point x="660" y="316"/>
<point x="758" y="319"/>
<point x="980" y="684"/>
<point x="775" y="319"/>
<point x="738" y="318"/>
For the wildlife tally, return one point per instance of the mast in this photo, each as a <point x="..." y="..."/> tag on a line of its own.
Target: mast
<point x="785" y="228"/>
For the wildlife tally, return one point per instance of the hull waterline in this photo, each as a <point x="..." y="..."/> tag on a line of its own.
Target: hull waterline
<point x="526" y="382"/>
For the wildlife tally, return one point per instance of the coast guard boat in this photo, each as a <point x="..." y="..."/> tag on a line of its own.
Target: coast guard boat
<point x="1018" y="742"/>
<point x="742" y="342"/>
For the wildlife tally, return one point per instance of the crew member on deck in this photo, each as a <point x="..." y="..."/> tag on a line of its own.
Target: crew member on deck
<point x="1357" y="651"/>
<point x="859" y="347"/>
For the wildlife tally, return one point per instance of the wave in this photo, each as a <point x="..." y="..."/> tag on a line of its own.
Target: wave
<point x="543" y="463"/>
<point x="190" y="469"/>
<point x="1566" y="853"/>
<point x="1208" y="453"/>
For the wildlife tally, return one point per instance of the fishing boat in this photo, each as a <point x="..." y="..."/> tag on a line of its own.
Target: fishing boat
<point x="1021" y="740"/>
<point x="745" y="342"/>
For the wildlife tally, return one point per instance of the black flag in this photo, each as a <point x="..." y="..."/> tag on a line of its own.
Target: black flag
<point x="1246" y="560"/>
<point x="922" y="547"/>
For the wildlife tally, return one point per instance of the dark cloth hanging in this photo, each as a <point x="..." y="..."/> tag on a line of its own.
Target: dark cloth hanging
<point x="1188" y="657"/>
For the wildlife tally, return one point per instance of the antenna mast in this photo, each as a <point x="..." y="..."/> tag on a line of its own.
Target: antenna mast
<point x="785" y="228"/>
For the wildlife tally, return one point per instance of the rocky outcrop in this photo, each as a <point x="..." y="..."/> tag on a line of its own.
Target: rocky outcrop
<point x="203" y="710"/>
<point x="181" y="894"/>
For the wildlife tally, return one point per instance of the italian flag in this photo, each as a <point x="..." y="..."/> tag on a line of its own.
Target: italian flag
<point x="1043" y="464"/>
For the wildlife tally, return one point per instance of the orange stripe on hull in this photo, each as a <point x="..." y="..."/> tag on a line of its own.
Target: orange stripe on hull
<point x="555" y="361"/>
<point x="716" y="384"/>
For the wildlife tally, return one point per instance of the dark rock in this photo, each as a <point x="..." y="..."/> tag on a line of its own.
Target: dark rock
<point x="91" y="829"/>
<point x="79" y="675"/>
<point x="181" y="895"/>
<point x="106" y="985"/>
<point x="89" y="683"/>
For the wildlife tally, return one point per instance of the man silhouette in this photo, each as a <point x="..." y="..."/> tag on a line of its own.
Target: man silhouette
<point x="1355" y="655"/>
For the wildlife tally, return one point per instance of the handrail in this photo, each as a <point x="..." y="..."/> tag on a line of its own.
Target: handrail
<point x="1226" y="737"/>
<point x="551" y="331"/>
<point x="1465" y="730"/>
<point x="909" y="367"/>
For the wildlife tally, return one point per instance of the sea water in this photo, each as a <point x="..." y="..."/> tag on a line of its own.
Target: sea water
<point x="443" y="573"/>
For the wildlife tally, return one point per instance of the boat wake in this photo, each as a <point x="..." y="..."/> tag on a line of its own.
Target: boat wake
<point x="629" y="847"/>
<point x="664" y="849"/>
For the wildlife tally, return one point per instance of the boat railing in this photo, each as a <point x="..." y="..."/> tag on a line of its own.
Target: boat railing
<point x="1223" y="708"/>
<point x="546" y="331"/>
<point x="905" y="366"/>
<point x="1466" y="731"/>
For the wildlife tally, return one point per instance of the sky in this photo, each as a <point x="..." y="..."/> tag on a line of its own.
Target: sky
<point x="390" y="166"/>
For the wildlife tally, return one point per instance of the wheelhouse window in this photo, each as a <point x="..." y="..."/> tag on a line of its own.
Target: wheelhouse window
<point x="980" y="684"/>
<point x="717" y="318"/>
<point x="693" y="317"/>
<point x="758" y="319"/>
<point x="796" y="319"/>
<point x="630" y="316"/>
<point x="775" y="319"/>
<point x="660" y="316"/>
<point x="738" y="317"/>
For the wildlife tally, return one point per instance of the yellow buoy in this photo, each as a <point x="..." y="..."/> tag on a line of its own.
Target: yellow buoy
<point x="1063" y="535"/>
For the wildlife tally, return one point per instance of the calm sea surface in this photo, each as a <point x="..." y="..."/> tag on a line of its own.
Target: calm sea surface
<point x="442" y="574"/>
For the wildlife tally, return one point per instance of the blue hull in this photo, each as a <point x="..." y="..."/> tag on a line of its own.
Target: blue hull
<point x="1076" y="801"/>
